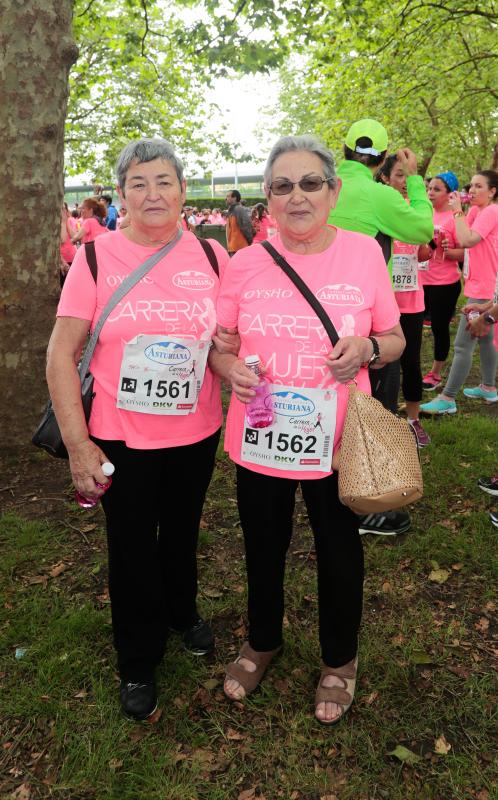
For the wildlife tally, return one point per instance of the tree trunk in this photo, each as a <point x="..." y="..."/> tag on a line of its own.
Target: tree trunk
<point x="37" y="50"/>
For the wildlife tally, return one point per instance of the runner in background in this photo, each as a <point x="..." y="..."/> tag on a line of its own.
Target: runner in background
<point x="441" y="281"/>
<point x="93" y="214"/>
<point x="478" y="233"/>
<point x="410" y="298"/>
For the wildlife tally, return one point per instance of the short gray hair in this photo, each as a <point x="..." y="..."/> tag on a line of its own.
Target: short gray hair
<point x="142" y="150"/>
<point x="289" y="144"/>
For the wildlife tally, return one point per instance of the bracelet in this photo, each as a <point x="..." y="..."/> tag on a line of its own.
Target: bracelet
<point x="458" y="214"/>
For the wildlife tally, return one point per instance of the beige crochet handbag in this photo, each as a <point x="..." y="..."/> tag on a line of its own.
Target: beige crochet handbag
<point x="379" y="466"/>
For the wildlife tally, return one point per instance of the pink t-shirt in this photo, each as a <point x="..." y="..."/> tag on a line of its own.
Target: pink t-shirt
<point x="409" y="302"/>
<point x="165" y="301"/>
<point x="68" y="250"/>
<point x="92" y="228"/>
<point x="483" y="258"/>
<point x="442" y="273"/>
<point x="275" y="321"/>
<point x="262" y="232"/>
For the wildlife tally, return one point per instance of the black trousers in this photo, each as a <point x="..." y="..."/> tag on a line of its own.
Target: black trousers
<point x="441" y="302"/>
<point x="412" y="326"/>
<point x="266" y="504"/>
<point x="385" y="383"/>
<point x="153" y="510"/>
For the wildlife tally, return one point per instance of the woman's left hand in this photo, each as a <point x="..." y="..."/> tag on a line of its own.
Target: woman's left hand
<point x="454" y="201"/>
<point x="347" y="357"/>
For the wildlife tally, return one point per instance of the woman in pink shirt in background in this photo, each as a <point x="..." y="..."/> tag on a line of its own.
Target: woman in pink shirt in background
<point x="93" y="214"/>
<point x="478" y="233"/>
<point x="409" y="294"/>
<point x="441" y="280"/>
<point x="346" y="271"/>
<point x="262" y="223"/>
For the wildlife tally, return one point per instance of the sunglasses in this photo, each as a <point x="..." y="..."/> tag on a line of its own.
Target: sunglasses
<point x="313" y="183"/>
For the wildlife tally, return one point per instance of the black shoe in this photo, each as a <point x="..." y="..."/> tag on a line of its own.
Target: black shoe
<point x="389" y="523"/>
<point x="138" y="700"/>
<point x="198" y="639"/>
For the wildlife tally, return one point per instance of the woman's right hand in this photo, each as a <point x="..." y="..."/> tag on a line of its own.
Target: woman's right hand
<point x="243" y="381"/>
<point x="85" y="463"/>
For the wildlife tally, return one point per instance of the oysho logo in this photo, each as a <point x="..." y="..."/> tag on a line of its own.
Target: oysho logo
<point x="167" y="353"/>
<point x="190" y="279"/>
<point x="340" y="294"/>
<point x="292" y="404"/>
<point x="267" y="294"/>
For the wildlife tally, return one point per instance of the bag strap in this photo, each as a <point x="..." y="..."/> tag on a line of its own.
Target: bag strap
<point x="305" y="291"/>
<point x="211" y="255"/>
<point x="118" y="295"/>
<point x="91" y="259"/>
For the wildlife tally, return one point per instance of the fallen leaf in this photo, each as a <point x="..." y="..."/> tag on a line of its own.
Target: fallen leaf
<point x="213" y="593"/>
<point x="81" y="695"/>
<point x="465" y="464"/>
<point x="404" y="755"/>
<point x="57" y="569"/>
<point x="417" y="657"/>
<point x="31" y="580"/>
<point x="386" y="587"/>
<point x="104" y="597"/>
<point x="483" y="794"/>
<point x="203" y="525"/>
<point x="482" y="626"/>
<point x="88" y="528"/>
<point x="328" y="797"/>
<point x="439" y="575"/>
<point x="398" y="639"/>
<point x="155" y="717"/>
<point x="202" y="755"/>
<point x="114" y="764"/>
<point x="210" y="684"/>
<point x="462" y="672"/>
<point x="234" y="735"/>
<point x="490" y="606"/>
<point x="247" y="794"/>
<point x="441" y="746"/>
<point x="457" y="567"/>
<point x="371" y="698"/>
<point x="23" y="792"/>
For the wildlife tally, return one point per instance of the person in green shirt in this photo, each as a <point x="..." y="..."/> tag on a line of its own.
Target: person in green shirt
<point x="380" y="211"/>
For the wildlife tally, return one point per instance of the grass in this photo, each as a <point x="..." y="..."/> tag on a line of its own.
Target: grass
<point x="426" y="659"/>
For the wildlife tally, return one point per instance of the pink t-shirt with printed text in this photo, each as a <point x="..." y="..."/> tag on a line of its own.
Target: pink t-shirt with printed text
<point x="165" y="301"/>
<point x="442" y="273"/>
<point x="409" y="302"/>
<point x="483" y="257"/>
<point x="92" y="228"/>
<point x="275" y="321"/>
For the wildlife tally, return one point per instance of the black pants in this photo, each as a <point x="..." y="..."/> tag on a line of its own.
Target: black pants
<point x="153" y="510"/>
<point x="385" y="384"/>
<point x="441" y="302"/>
<point x="266" y="505"/>
<point x="412" y="325"/>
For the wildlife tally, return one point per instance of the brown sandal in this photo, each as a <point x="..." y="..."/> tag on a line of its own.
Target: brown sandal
<point x="249" y="680"/>
<point x="341" y="695"/>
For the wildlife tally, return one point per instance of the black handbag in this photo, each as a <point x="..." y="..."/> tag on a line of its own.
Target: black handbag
<point x="47" y="435"/>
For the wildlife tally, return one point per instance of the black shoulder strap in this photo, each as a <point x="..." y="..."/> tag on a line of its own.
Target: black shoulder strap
<point x="211" y="255"/>
<point x="91" y="258"/>
<point x="385" y="242"/>
<point x="305" y="291"/>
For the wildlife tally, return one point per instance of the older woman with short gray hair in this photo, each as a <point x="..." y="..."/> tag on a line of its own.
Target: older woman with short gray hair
<point x="295" y="437"/>
<point x="156" y="414"/>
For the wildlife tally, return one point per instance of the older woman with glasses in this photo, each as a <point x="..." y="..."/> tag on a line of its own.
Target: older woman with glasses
<point x="347" y="273"/>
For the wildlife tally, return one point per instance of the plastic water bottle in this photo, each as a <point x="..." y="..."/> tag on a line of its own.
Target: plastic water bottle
<point x="259" y="411"/>
<point x="87" y="502"/>
<point x="473" y="314"/>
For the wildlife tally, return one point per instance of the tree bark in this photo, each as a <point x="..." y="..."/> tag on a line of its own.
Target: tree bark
<point x="37" y="50"/>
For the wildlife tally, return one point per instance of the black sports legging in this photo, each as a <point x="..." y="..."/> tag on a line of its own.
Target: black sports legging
<point x="441" y="302"/>
<point x="411" y="384"/>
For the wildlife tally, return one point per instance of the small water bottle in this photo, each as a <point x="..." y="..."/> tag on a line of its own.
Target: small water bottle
<point x="473" y="314"/>
<point x="259" y="411"/>
<point x="86" y="502"/>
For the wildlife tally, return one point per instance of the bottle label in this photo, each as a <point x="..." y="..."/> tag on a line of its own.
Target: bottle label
<point x="301" y="437"/>
<point x="161" y="374"/>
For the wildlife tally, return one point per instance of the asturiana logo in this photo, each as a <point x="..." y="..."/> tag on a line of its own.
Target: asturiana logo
<point x="340" y="294"/>
<point x="167" y="353"/>
<point x="191" y="279"/>
<point x="292" y="404"/>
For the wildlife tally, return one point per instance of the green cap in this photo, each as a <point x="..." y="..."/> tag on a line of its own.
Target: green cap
<point x="371" y="129"/>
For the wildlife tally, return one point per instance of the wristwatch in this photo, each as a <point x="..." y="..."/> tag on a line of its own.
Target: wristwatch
<point x="376" y="352"/>
<point x="489" y="319"/>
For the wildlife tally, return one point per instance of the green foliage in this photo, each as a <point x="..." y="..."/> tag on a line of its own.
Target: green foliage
<point x="144" y="66"/>
<point x="427" y="71"/>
